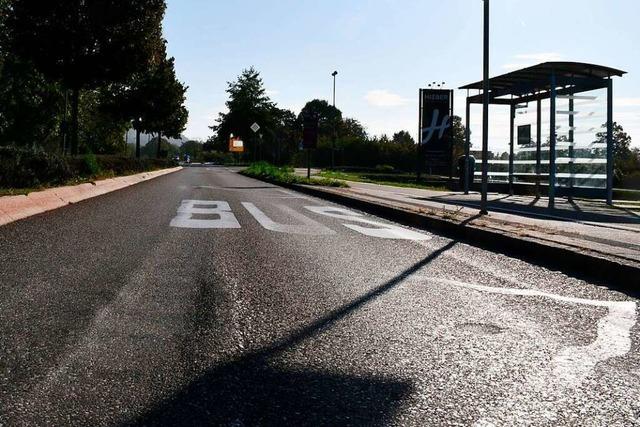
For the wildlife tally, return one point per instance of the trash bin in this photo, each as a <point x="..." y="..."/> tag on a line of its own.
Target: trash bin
<point x="461" y="174"/>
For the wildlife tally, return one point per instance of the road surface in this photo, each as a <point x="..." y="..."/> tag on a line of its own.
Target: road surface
<point x="207" y="298"/>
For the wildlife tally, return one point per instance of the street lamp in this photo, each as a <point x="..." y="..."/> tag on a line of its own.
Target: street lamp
<point x="333" y="138"/>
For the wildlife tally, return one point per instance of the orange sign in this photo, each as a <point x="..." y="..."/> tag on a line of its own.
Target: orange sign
<point x="236" y="145"/>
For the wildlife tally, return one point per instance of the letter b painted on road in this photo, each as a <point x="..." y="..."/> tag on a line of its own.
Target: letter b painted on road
<point x="211" y="214"/>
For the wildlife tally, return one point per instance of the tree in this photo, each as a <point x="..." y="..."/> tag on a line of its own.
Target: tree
<point x="458" y="137"/>
<point x="248" y="103"/>
<point x="153" y="101"/>
<point x="29" y="105"/>
<point x="352" y="128"/>
<point x="166" y="114"/>
<point x="100" y="132"/>
<point x="287" y="134"/>
<point x="403" y="137"/>
<point x="329" y="117"/>
<point x="191" y="148"/>
<point x="623" y="159"/>
<point x="151" y="149"/>
<point x="85" y="44"/>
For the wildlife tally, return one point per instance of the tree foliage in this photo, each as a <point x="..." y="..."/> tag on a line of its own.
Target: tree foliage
<point x="30" y="105"/>
<point x="328" y="115"/>
<point x="248" y="103"/>
<point x="85" y="44"/>
<point x="624" y="160"/>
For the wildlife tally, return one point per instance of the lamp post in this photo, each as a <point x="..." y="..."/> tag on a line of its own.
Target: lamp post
<point x="333" y="138"/>
<point x="485" y="113"/>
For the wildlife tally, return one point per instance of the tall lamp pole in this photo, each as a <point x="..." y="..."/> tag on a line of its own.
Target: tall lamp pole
<point x="333" y="138"/>
<point x="485" y="113"/>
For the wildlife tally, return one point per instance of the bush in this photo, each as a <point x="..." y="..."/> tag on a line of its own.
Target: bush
<point x="217" y="157"/>
<point x="28" y="168"/>
<point x="90" y="163"/>
<point x="384" y="168"/>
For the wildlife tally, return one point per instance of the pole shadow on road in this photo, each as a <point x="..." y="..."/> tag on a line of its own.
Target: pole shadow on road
<point x="251" y="391"/>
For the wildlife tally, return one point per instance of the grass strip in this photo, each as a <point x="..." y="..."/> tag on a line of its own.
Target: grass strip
<point x="285" y="175"/>
<point x="407" y="181"/>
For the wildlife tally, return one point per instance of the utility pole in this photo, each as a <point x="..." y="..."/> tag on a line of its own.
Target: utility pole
<point x="334" y="136"/>
<point x="485" y="113"/>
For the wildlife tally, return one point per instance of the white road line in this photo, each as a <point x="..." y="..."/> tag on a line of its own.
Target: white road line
<point x="308" y="227"/>
<point x="381" y="230"/>
<point x="573" y="364"/>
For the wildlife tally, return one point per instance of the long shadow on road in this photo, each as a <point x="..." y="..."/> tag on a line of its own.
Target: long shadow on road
<point x="250" y="391"/>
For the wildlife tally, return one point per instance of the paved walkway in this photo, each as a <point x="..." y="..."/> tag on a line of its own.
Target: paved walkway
<point x="587" y="225"/>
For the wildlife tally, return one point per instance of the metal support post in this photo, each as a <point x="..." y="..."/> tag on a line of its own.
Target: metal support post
<point x="467" y="147"/>
<point x="552" y="144"/>
<point x="485" y="113"/>
<point x="610" y="142"/>
<point x="512" y="117"/>
<point x="538" y="147"/>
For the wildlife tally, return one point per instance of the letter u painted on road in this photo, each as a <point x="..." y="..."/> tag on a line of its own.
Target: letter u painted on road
<point x="211" y="214"/>
<point x="307" y="227"/>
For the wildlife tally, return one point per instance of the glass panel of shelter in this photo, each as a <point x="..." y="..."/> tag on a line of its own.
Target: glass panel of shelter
<point x="581" y="148"/>
<point x="580" y="141"/>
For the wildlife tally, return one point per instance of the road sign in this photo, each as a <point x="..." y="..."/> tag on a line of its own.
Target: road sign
<point x="310" y="131"/>
<point x="236" y="145"/>
<point x="255" y="127"/>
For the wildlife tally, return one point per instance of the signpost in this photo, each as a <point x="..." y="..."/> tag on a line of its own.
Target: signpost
<point x="255" y="127"/>
<point x="435" y="137"/>
<point x="309" y="137"/>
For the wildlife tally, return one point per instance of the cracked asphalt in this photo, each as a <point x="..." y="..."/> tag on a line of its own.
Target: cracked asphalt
<point x="148" y="306"/>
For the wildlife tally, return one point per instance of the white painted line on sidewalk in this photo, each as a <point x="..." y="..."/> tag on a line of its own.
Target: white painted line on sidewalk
<point x="308" y="227"/>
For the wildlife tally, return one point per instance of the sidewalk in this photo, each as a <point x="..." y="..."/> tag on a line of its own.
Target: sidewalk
<point x="14" y="208"/>
<point x="582" y="227"/>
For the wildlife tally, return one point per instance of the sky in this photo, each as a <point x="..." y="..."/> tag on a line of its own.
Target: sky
<point x="385" y="50"/>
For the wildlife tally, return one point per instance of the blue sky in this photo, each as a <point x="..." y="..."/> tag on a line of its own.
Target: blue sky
<point x="385" y="50"/>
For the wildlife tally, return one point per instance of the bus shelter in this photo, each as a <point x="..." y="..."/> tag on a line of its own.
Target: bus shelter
<point x="569" y="149"/>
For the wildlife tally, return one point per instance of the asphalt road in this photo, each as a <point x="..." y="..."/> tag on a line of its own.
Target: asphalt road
<point x="207" y="298"/>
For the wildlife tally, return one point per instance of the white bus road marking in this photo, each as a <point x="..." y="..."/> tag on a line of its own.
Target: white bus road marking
<point x="573" y="364"/>
<point x="308" y="227"/>
<point x="220" y="209"/>
<point x="381" y="231"/>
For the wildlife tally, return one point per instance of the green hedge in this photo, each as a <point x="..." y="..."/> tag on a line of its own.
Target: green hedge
<point x="25" y="168"/>
<point x="29" y="168"/>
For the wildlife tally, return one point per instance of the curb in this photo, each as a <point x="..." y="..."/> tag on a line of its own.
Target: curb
<point x="581" y="264"/>
<point x="14" y="208"/>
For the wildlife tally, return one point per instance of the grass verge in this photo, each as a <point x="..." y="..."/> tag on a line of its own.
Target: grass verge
<point x="396" y="180"/>
<point x="285" y="175"/>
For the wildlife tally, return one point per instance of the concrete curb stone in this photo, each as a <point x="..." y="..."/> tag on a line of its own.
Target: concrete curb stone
<point x="14" y="208"/>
